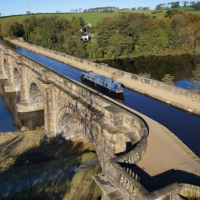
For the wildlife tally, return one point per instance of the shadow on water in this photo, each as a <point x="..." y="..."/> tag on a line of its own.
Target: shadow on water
<point x="157" y="66"/>
<point x="8" y="111"/>
<point x="161" y="180"/>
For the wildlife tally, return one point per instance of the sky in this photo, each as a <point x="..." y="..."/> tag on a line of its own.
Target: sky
<point x="15" y="7"/>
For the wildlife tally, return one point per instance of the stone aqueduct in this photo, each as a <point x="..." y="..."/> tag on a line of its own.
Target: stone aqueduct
<point x="73" y="110"/>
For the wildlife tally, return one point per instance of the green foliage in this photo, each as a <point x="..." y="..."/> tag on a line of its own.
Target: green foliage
<point x="11" y="28"/>
<point x="168" y="79"/>
<point x="73" y="45"/>
<point x="93" y="31"/>
<point x="127" y="34"/>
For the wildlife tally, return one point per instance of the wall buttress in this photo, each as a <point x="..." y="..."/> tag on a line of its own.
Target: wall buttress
<point x="10" y="86"/>
<point x="24" y="87"/>
<point x="2" y="72"/>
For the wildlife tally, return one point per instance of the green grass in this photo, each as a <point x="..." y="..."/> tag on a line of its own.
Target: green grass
<point x="78" y="187"/>
<point x="17" y="147"/>
<point x="95" y="17"/>
<point x="92" y="18"/>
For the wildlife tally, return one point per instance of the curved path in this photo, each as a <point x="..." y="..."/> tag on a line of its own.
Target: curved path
<point x="166" y="157"/>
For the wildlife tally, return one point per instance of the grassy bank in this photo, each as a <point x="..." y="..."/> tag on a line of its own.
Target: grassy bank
<point x="17" y="147"/>
<point x="80" y="186"/>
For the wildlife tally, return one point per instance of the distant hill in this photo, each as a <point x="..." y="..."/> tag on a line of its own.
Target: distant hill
<point x="94" y="17"/>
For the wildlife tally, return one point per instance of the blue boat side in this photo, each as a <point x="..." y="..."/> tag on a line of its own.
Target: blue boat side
<point x="106" y="83"/>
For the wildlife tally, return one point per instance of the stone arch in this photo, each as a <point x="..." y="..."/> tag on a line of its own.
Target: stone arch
<point x="69" y="124"/>
<point x="35" y="94"/>
<point x="17" y="79"/>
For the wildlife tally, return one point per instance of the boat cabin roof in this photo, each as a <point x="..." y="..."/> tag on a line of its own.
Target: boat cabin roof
<point x="105" y="79"/>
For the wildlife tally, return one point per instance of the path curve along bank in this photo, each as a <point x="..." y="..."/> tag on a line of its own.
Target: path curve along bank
<point x="112" y="127"/>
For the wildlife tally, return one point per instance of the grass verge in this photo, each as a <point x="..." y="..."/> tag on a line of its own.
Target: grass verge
<point x="17" y="147"/>
<point x="78" y="187"/>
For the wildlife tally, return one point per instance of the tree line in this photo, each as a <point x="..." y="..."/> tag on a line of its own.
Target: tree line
<point x="138" y="34"/>
<point x="129" y="34"/>
<point x="176" y="4"/>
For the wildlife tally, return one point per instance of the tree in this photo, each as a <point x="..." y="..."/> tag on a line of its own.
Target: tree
<point x="11" y="28"/>
<point x="168" y="79"/>
<point x="82" y="22"/>
<point x="116" y="45"/>
<point x="76" y="24"/>
<point x="28" y="12"/>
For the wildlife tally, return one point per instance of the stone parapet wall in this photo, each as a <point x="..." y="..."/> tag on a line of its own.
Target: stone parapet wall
<point x="190" y="191"/>
<point x="120" y="73"/>
<point x="109" y="114"/>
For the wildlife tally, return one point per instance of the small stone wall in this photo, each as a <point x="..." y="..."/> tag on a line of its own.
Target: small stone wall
<point x="190" y="191"/>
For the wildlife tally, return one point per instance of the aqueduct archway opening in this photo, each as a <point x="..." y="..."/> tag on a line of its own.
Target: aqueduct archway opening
<point x="70" y="127"/>
<point x="35" y="95"/>
<point x="5" y="66"/>
<point x="17" y="79"/>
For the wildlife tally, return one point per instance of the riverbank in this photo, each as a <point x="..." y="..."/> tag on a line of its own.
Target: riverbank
<point x="178" y="100"/>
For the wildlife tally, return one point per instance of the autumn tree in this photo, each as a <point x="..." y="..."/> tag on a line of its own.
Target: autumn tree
<point x="11" y="28"/>
<point x="168" y="79"/>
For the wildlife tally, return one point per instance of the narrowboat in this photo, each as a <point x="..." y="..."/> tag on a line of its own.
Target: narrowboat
<point x="101" y="82"/>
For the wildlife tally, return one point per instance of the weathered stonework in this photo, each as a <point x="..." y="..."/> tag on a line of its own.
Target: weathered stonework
<point x="73" y="110"/>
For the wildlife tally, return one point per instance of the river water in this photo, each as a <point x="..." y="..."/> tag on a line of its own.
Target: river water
<point x="182" y="124"/>
<point x="180" y="67"/>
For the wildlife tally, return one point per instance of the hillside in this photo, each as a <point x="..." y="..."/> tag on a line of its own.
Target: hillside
<point x="92" y="17"/>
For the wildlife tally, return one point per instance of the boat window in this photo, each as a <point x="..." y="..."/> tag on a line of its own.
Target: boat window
<point x="106" y="84"/>
<point x="115" y="87"/>
<point x="119" y="87"/>
<point x="93" y="79"/>
<point x="87" y="76"/>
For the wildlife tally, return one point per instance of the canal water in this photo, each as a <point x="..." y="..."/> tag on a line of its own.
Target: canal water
<point x="182" y="124"/>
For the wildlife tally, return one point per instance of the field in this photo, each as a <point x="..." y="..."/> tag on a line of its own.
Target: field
<point x="17" y="147"/>
<point x="94" y="17"/>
